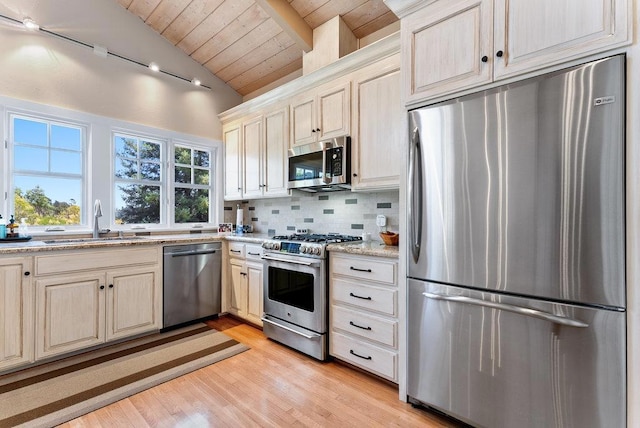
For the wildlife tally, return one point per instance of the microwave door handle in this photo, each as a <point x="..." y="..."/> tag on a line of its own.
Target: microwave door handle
<point x="547" y="316"/>
<point x="325" y="177"/>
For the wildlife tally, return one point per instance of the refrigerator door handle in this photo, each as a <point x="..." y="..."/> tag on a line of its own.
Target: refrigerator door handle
<point x="415" y="191"/>
<point x="511" y="308"/>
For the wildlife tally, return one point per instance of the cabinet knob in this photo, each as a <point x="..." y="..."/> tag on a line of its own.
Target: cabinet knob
<point x="313" y="130"/>
<point x="484" y="58"/>
<point x="317" y="129"/>
<point x="499" y="54"/>
<point x="110" y="285"/>
<point x="102" y="287"/>
<point x="27" y="273"/>
<point x="355" y="175"/>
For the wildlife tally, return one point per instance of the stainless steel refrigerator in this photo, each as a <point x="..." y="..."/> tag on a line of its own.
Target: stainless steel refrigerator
<point x="516" y="253"/>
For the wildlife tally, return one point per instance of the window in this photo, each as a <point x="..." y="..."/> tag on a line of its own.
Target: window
<point x="142" y="188"/>
<point x="192" y="184"/>
<point x="47" y="171"/>
<point x="138" y="180"/>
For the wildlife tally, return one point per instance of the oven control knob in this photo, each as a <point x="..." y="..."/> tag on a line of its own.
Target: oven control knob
<point x="316" y="251"/>
<point x="304" y="250"/>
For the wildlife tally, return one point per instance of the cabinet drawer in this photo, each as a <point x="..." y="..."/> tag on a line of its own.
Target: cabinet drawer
<point x="371" y="269"/>
<point x="253" y="252"/>
<point x="383" y="300"/>
<point x="364" y="355"/>
<point x="370" y="327"/>
<point x="236" y="249"/>
<point x="64" y="262"/>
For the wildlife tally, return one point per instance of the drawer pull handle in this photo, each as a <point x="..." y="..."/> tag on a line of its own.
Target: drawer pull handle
<point x="360" y="270"/>
<point x="236" y="251"/>
<point x="254" y="254"/>
<point x="359" y="356"/>
<point x="360" y="297"/>
<point x="359" y="326"/>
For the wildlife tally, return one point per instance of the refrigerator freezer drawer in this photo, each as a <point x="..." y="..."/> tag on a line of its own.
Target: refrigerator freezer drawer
<point x="500" y="361"/>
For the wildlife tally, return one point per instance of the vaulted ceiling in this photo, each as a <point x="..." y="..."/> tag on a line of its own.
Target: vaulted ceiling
<point x="252" y="43"/>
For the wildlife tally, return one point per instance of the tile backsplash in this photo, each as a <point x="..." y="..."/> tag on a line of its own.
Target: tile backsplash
<point x="336" y="212"/>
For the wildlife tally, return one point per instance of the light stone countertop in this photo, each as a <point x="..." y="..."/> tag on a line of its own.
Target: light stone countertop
<point x="373" y="248"/>
<point x="249" y="238"/>
<point x="41" y="245"/>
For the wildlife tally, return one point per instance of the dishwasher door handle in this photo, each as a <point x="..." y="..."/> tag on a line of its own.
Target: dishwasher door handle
<point x="193" y="253"/>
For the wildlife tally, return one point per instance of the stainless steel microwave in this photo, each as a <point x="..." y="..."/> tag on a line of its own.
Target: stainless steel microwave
<point x="321" y="166"/>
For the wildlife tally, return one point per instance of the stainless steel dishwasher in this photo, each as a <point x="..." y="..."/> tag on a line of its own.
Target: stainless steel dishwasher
<point x="191" y="282"/>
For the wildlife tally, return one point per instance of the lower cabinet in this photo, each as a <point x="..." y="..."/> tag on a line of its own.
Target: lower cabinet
<point x="84" y="309"/>
<point x="363" y="312"/>
<point x="16" y="312"/>
<point x="245" y="288"/>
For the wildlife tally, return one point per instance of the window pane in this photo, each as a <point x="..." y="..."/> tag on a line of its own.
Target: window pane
<point x="201" y="158"/>
<point x="150" y="151"/>
<point x="66" y="162"/>
<point x="63" y="137"/>
<point x="201" y="176"/>
<point x="126" y="147"/>
<point x="29" y="132"/>
<point x="191" y="205"/>
<point x="183" y="175"/>
<point x="137" y="204"/>
<point x="47" y="201"/>
<point x="30" y="159"/>
<point x="150" y="171"/>
<point x="183" y="155"/>
<point x="126" y="168"/>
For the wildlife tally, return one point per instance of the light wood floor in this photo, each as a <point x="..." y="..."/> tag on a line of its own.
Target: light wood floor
<point x="267" y="386"/>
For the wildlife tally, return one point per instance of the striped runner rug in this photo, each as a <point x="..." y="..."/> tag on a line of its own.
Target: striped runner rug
<point x="57" y="392"/>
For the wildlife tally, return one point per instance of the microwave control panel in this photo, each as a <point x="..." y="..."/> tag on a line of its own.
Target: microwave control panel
<point x="335" y="161"/>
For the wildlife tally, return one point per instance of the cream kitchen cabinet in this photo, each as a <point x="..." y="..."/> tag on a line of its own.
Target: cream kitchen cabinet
<point x="378" y="134"/>
<point x="450" y="46"/>
<point x="85" y="298"/>
<point x="255" y="156"/>
<point x="16" y="312"/>
<point x="321" y="113"/>
<point x="245" y="288"/>
<point x="363" y="295"/>
<point x="231" y="133"/>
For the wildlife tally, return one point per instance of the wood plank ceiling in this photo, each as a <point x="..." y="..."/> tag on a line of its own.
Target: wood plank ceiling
<point x="240" y="42"/>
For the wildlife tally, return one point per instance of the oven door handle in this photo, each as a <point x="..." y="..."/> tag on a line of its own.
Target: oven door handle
<point x="295" y="262"/>
<point x="306" y="336"/>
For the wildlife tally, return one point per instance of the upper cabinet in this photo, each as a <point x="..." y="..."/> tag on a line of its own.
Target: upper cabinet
<point x="378" y="134"/>
<point x="321" y="113"/>
<point x="255" y="155"/>
<point x="449" y="46"/>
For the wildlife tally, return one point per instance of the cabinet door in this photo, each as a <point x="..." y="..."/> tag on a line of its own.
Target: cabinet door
<point x="252" y="139"/>
<point x="534" y="34"/>
<point x="254" y="286"/>
<point x="443" y="46"/>
<point x="70" y="313"/>
<point x="378" y="143"/>
<point x="275" y="153"/>
<point x="303" y="126"/>
<point x="132" y="302"/>
<point x="334" y="111"/>
<point x="238" y="290"/>
<point x="16" y="312"/>
<point x="232" y="163"/>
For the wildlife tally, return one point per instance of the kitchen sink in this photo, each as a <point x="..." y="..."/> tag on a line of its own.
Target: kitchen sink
<point x="81" y="240"/>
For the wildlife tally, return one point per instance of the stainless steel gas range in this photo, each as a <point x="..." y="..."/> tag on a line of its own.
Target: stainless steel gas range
<point x="296" y="290"/>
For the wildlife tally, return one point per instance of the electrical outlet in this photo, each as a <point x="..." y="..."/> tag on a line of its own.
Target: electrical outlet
<point x="381" y="220"/>
<point x="302" y="231"/>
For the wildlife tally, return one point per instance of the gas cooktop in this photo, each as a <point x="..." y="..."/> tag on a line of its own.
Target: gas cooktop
<point x="328" y="238"/>
<point x="305" y="245"/>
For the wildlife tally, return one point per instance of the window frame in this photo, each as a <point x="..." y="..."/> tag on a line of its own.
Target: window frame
<point x="10" y="115"/>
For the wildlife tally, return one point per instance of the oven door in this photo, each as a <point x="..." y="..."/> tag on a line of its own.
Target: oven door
<point x="295" y="290"/>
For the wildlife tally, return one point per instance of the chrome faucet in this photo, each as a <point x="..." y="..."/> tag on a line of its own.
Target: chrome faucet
<point x="97" y="212"/>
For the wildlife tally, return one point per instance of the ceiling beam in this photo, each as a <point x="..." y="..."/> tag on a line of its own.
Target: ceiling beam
<point x="292" y="23"/>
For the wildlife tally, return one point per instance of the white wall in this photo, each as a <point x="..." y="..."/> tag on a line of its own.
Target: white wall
<point x="42" y="68"/>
